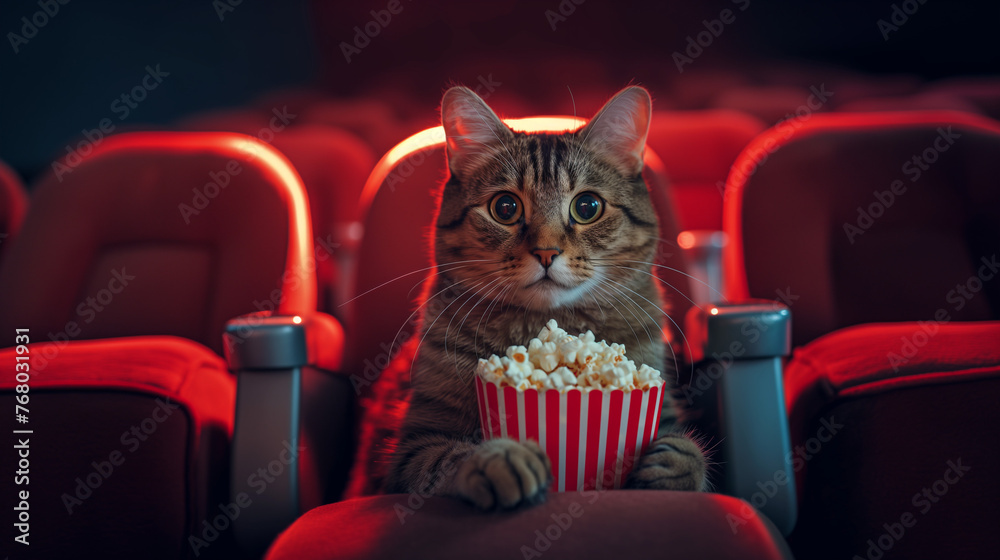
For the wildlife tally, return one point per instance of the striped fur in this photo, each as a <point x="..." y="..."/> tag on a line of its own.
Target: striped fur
<point x="490" y="292"/>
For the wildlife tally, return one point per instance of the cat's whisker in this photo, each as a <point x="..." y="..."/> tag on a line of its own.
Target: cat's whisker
<point x="641" y="322"/>
<point x="658" y="279"/>
<point x="682" y="273"/>
<point x="474" y="292"/>
<point x="465" y="318"/>
<point x="676" y="326"/>
<point x="429" y="328"/>
<point x="475" y="338"/>
<point x="417" y="310"/>
<point x="401" y="276"/>
<point x="615" y="307"/>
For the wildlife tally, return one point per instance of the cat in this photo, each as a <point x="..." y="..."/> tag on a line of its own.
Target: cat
<point x="532" y="227"/>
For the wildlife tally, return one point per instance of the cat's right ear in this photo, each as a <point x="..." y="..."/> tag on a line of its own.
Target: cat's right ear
<point x="471" y="128"/>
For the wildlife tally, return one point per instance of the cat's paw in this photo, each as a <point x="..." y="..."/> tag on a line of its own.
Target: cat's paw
<point x="672" y="462"/>
<point x="504" y="473"/>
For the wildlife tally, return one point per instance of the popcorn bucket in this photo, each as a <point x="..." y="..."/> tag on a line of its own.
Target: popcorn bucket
<point x="593" y="438"/>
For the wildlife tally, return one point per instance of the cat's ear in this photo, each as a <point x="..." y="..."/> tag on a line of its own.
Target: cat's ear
<point x="471" y="128"/>
<point x="618" y="131"/>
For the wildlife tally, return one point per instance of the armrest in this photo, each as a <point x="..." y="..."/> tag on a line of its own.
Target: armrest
<point x="739" y="349"/>
<point x="703" y="251"/>
<point x="282" y="365"/>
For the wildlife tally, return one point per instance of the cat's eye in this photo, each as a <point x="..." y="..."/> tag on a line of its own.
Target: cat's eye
<point x="506" y="208"/>
<point x="586" y="208"/>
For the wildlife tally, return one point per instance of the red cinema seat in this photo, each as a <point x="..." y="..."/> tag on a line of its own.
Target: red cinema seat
<point x="125" y="273"/>
<point x="880" y="232"/>
<point x="372" y="120"/>
<point x="333" y="164"/>
<point x="13" y="206"/>
<point x="400" y="197"/>
<point x="697" y="149"/>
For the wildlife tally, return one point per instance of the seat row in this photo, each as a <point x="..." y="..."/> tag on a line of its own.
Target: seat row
<point x="876" y="231"/>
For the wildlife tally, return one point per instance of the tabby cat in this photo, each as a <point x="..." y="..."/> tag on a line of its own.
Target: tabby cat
<point x="533" y="227"/>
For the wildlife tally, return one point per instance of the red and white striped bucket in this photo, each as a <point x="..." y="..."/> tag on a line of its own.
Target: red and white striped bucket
<point x="593" y="438"/>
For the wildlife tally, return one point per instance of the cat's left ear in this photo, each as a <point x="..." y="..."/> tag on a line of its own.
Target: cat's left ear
<point x="471" y="128"/>
<point x="618" y="131"/>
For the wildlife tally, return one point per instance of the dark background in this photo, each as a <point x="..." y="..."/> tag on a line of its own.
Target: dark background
<point x="65" y="78"/>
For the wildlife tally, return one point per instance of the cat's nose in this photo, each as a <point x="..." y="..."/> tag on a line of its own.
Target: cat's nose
<point x="545" y="255"/>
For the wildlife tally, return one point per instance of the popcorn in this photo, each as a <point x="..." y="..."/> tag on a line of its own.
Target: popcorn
<point x="558" y="360"/>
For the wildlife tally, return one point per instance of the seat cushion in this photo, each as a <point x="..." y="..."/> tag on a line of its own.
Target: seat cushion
<point x="129" y="448"/>
<point x="609" y="524"/>
<point x="893" y="427"/>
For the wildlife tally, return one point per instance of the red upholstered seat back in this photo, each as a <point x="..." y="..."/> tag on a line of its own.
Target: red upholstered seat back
<point x="161" y="234"/>
<point x="698" y="148"/>
<point x="395" y="256"/>
<point x="13" y="205"/>
<point x="867" y="217"/>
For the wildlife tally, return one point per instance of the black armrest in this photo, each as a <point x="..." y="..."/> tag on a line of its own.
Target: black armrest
<point x="738" y="349"/>
<point x="285" y="393"/>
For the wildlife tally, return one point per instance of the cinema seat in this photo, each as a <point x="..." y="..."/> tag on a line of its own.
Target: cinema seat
<point x="879" y="231"/>
<point x="124" y="277"/>
<point x="333" y="164"/>
<point x="697" y="149"/>
<point x="13" y="206"/>
<point x="399" y="196"/>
